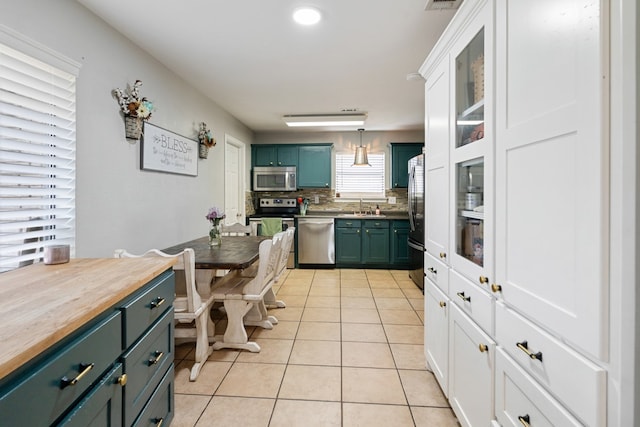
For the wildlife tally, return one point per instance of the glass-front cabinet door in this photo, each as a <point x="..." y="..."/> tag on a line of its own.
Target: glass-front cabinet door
<point x="470" y="91"/>
<point x="471" y="175"/>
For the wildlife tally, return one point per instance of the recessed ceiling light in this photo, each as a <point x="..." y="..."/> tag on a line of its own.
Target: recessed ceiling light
<point x="306" y="16"/>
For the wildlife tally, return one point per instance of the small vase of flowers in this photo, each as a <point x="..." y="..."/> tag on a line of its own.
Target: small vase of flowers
<point x="206" y="141"/>
<point x="135" y="109"/>
<point x="215" y="216"/>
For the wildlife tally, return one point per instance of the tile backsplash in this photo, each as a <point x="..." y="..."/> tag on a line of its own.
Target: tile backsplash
<point x="327" y="200"/>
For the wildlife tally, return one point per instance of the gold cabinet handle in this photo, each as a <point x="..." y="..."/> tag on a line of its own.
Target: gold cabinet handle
<point x="157" y="302"/>
<point x="483" y="348"/>
<point x="443" y="255"/>
<point x="496" y="288"/>
<point x="157" y="356"/>
<point x="432" y="270"/>
<point x="443" y="304"/>
<point x="122" y="380"/>
<point x="159" y="422"/>
<point x="462" y="297"/>
<point x="483" y="279"/>
<point x="84" y="370"/>
<point x="524" y="346"/>
<point x="524" y="420"/>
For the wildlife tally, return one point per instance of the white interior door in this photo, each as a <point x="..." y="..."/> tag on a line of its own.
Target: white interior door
<point x="234" y="179"/>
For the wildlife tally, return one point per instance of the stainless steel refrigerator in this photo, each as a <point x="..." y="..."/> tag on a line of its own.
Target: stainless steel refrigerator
<point x="416" y="219"/>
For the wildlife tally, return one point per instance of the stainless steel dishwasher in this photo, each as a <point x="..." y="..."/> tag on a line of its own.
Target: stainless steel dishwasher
<point x="316" y="241"/>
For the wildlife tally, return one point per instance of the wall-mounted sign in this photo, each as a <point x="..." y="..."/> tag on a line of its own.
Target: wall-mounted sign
<point x="164" y="151"/>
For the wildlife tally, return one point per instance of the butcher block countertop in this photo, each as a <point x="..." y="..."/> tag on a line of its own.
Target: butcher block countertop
<point x="42" y="304"/>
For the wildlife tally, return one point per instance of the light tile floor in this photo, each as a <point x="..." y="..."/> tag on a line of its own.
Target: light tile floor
<point x="347" y="351"/>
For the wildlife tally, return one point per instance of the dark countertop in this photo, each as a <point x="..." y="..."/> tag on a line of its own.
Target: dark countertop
<point x="341" y="214"/>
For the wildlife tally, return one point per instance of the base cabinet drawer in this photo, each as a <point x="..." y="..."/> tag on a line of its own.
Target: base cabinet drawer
<point x="520" y="399"/>
<point x="574" y="380"/>
<point x="473" y="300"/>
<point x="142" y="311"/>
<point x="160" y="409"/>
<point x="64" y="377"/>
<point x="145" y="365"/>
<point x="102" y="406"/>
<point x="437" y="272"/>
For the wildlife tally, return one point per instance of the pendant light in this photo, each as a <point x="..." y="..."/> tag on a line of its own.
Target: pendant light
<point x="361" y="154"/>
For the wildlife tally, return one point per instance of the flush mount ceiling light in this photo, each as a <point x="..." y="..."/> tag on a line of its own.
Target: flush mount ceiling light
<point x="361" y="154"/>
<point x="306" y="16"/>
<point x="300" y="120"/>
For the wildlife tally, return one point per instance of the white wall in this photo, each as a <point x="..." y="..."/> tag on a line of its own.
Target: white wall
<point x="119" y="205"/>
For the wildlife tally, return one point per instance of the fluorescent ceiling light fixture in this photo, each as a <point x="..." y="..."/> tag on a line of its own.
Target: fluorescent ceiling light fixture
<point x="306" y="16"/>
<point x="301" y="120"/>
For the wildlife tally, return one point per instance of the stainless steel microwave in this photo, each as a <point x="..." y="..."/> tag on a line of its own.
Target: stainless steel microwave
<point x="274" y="178"/>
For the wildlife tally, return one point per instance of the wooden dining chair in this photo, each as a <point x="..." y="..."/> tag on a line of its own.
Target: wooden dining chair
<point x="235" y="229"/>
<point x="191" y="311"/>
<point x="270" y="299"/>
<point x="243" y="299"/>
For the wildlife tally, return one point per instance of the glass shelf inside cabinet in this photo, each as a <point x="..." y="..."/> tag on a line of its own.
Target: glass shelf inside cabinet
<point x="470" y="92"/>
<point x="470" y="210"/>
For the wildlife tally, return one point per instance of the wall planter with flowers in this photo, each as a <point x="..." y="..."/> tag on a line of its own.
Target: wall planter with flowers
<point x="135" y="109"/>
<point x="206" y="141"/>
<point x="215" y="216"/>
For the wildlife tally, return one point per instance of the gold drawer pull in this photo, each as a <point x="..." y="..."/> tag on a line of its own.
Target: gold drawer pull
<point x="483" y="279"/>
<point x="443" y="255"/>
<point x="432" y="270"/>
<point x="443" y="304"/>
<point x="462" y="297"/>
<point x="524" y="346"/>
<point x="496" y="288"/>
<point x="524" y="420"/>
<point x="154" y="360"/>
<point x="84" y="370"/>
<point x="157" y="302"/>
<point x="483" y="348"/>
<point x="122" y="380"/>
<point x="159" y="422"/>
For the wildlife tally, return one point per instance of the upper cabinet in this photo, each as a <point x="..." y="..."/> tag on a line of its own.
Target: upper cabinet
<point x="400" y="155"/>
<point x="275" y="155"/>
<point x="313" y="161"/>
<point x="314" y="166"/>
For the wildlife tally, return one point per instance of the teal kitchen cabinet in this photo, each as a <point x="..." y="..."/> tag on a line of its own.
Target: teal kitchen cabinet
<point x="375" y="242"/>
<point x="400" y="155"/>
<point x="314" y="166"/>
<point x="399" y="246"/>
<point x="275" y="155"/>
<point x="348" y="241"/>
<point x="116" y="369"/>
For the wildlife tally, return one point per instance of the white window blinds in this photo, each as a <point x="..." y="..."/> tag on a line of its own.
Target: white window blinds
<point x="360" y="181"/>
<point x="37" y="157"/>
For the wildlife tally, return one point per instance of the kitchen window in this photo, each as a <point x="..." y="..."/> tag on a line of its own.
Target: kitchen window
<point x="37" y="150"/>
<point x="360" y="181"/>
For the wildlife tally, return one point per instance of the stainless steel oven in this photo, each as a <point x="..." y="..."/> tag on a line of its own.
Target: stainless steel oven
<point x="275" y="208"/>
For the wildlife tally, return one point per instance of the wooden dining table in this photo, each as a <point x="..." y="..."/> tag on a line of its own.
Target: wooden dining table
<point x="233" y="253"/>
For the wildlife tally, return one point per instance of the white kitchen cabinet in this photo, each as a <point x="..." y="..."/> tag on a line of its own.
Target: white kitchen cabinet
<point x="528" y="211"/>
<point x="520" y="399"/>
<point x="573" y="379"/>
<point x="437" y="137"/>
<point x="471" y="370"/>
<point x="436" y="338"/>
<point x="471" y="150"/>
<point x="551" y="171"/>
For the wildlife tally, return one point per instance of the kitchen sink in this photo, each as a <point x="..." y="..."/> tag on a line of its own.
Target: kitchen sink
<point x="360" y="215"/>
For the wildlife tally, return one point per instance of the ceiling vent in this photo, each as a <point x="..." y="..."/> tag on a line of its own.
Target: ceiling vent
<point x="442" y="4"/>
